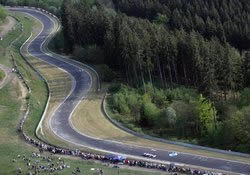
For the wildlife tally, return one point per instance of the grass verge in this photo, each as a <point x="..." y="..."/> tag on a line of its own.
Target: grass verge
<point x="2" y="75"/>
<point x="11" y="100"/>
<point x="11" y="145"/>
<point x="89" y="119"/>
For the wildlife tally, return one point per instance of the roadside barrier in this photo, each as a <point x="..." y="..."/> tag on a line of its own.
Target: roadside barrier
<point x="44" y="146"/>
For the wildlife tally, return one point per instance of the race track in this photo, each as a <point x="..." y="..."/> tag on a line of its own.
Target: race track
<point x="81" y="83"/>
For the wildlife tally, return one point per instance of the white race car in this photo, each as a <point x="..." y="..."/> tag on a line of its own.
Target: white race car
<point x="149" y="155"/>
<point x="173" y="154"/>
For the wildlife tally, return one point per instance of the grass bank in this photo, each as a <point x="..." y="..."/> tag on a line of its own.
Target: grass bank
<point x="11" y="145"/>
<point x="38" y="97"/>
<point x="2" y="75"/>
<point x="11" y="101"/>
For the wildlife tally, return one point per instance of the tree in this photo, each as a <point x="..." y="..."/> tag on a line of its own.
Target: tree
<point x="206" y="115"/>
<point x="3" y="14"/>
<point x="134" y="104"/>
<point x="240" y="129"/>
<point x="244" y="97"/>
<point x="149" y="114"/>
<point x="171" y="116"/>
<point x="161" y="19"/>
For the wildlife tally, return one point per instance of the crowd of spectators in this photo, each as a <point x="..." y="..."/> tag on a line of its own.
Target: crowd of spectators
<point x="92" y="156"/>
<point x="38" y="163"/>
<point x="87" y="156"/>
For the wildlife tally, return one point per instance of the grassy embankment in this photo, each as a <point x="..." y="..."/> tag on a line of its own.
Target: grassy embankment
<point x="89" y="119"/>
<point x="10" y="113"/>
<point x="2" y="75"/>
<point x="11" y="144"/>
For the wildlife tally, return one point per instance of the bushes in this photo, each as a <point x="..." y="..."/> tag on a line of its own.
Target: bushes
<point x="149" y="114"/>
<point x="181" y="113"/>
<point x="3" y="14"/>
<point x="239" y="128"/>
<point x="206" y="115"/>
<point x="152" y="108"/>
<point x="182" y="93"/>
<point x="186" y="117"/>
<point x="244" y="97"/>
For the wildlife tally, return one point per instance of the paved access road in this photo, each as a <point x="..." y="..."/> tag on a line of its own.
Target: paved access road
<point x="82" y="82"/>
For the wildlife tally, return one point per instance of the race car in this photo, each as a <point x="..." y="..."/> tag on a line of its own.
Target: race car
<point x="149" y="155"/>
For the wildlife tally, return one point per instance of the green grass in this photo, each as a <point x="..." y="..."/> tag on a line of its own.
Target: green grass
<point x="11" y="143"/>
<point x="12" y="35"/>
<point x="2" y="75"/>
<point x="38" y="97"/>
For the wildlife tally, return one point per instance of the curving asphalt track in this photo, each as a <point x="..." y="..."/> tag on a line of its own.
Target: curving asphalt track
<point x="60" y="124"/>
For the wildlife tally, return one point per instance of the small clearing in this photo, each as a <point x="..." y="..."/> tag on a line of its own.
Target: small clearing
<point x="7" y="75"/>
<point x="7" y="26"/>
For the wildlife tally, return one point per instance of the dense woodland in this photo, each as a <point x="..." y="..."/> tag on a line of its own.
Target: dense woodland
<point x="160" y="46"/>
<point x="168" y="52"/>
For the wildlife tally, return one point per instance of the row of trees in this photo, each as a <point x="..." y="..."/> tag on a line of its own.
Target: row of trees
<point x="53" y="6"/>
<point x="164" y="44"/>
<point x="147" y="51"/>
<point x="184" y="114"/>
<point x="3" y="14"/>
<point x="228" y="20"/>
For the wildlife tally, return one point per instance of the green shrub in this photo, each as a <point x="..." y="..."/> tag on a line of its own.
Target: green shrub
<point x="244" y="97"/>
<point x="134" y="104"/>
<point x="119" y="102"/>
<point x="182" y="93"/>
<point x="3" y="14"/>
<point x="186" y="117"/>
<point x="160" y="99"/>
<point x="149" y="114"/>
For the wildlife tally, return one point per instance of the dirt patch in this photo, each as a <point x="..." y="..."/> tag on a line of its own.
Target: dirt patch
<point x="7" y="26"/>
<point x="8" y="75"/>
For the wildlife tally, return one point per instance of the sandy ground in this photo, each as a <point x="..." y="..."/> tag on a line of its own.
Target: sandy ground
<point x="7" y="26"/>
<point x="8" y="75"/>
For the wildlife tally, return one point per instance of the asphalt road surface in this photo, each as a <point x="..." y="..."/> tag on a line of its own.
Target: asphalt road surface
<point x="60" y="120"/>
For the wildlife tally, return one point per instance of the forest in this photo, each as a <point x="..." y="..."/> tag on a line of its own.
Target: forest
<point x="181" y="66"/>
<point x="168" y="53"/>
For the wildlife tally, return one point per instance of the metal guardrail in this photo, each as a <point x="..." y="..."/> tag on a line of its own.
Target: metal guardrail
<point x="119" y="125"/>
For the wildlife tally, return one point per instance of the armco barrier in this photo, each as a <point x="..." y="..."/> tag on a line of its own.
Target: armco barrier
<point x="44" y="146"/>
<point x="119" y="125"/>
